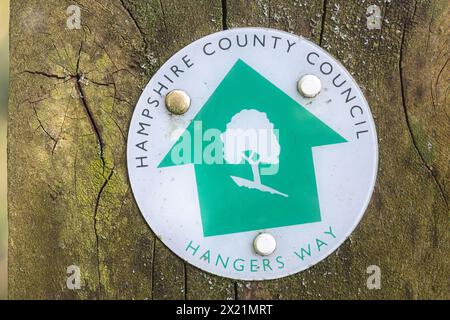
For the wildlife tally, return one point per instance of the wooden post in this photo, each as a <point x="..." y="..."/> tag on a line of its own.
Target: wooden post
<point x="72" y="94"/>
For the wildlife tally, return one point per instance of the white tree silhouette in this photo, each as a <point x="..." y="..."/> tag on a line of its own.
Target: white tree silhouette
<point x="250" y="137"/>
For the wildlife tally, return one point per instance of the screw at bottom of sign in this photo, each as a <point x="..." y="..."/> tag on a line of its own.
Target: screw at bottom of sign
<point x="264" y="244"/>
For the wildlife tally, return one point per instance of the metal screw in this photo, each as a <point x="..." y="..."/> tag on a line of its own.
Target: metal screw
<point x="264" y="244"/>
<point x="177" y="101"/>
<point x="309" y="85"/>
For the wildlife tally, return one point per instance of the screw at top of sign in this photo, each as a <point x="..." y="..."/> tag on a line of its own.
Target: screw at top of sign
<point x="309" y="85"/>
<point x="177" y="102"/>
<point x="264" y="244"/>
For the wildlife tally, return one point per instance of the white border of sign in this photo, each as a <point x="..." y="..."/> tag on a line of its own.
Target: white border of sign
<point x="167" y="197"/>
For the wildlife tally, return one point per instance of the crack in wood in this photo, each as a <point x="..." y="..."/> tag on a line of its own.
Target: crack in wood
<point x="224" y="15"/>
<point x="139" y="28"/>
<point x="408" y="121"/>
<point x="42" y="127"/>
<point x="153" y="265"/>
<point x="97" y="203"/>
<point x="90" y="115"/>
<point x="163" y="17"/>
<point x="45" y="74"/>
<point x="322" y="24"/>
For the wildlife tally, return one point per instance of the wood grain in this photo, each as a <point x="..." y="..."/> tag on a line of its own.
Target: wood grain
<point x="72" y="94"/>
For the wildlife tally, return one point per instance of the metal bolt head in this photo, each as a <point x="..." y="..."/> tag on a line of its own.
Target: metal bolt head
<point x="264" y="244"/>
<point x="177" y="101"/>
<point x="309" y="85"/>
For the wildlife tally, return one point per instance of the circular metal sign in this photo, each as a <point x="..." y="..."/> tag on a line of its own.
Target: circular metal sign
<point x="252" y="154"/>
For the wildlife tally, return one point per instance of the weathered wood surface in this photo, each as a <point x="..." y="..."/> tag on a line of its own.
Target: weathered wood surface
<point x="72" y="94"/>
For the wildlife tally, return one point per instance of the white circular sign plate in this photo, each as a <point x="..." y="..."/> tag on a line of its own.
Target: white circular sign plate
<point x="207" y="197"/>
